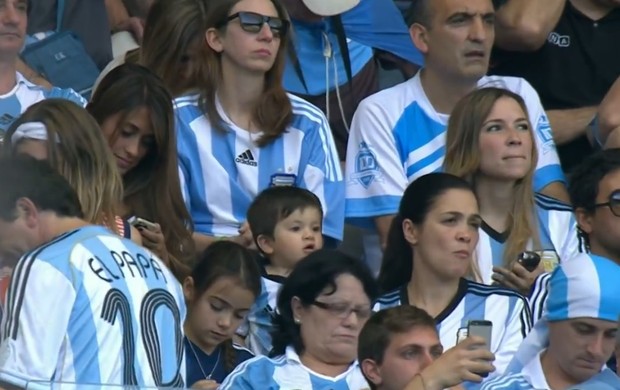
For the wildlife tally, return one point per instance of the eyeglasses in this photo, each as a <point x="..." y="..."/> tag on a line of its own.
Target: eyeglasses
<point x="344" y="310"/>
<point x="252" y="22"/>
<point x="613" y="203"/>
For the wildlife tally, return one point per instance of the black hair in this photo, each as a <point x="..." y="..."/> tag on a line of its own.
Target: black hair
<point x="311" y="276"/>
<point x="26" y="177"/>
<point x="275" y="204"/>
<point x="417" y="201"/>
<point x="226" y="259"/>
<point x="419" y="12"/>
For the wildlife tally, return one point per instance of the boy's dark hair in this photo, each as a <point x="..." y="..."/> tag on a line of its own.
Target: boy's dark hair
<point x="377" y="333"/>
<point x="26" y="177"/>
<point x="275" y="204"/>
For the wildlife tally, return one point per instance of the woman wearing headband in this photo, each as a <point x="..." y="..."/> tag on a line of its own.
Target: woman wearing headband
<point x="244" y="133"/>
<point x="70" y="139"/>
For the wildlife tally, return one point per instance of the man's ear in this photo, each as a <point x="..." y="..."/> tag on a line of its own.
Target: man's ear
<point x="419" y="36"/>
<point x="584" y="220"/>
<point x="371" y="371"/>
<point x="27" y="211"/>
<point x="265" y="244"/>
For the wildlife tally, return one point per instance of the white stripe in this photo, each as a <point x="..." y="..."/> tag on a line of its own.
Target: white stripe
<point x="423" y="152"/>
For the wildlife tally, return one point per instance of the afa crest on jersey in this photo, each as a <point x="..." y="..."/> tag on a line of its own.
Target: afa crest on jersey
<point x="366" y="168"/>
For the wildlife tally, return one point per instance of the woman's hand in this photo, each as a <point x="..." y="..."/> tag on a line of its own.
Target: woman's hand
<point x="206" y="384"/>
<point x="469" y="360"/>
<point x="153" y="239"/>
<point x="245" y="237"/>
<point x="518" y="278"/>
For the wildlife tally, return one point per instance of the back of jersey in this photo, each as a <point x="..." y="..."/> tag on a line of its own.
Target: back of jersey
<point x="91" y="307"/>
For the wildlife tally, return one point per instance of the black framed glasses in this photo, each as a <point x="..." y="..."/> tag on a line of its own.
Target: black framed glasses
<point x="344" y="310"/>
<point x="252" y="22"/>
<point x="613" y="203"/>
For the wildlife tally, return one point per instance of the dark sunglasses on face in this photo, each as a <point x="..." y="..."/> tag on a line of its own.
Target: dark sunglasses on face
<point x="252" y="22"/>
<point x="613" y="203"/>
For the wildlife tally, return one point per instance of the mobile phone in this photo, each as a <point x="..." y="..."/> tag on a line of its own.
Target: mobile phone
<point x="480" y="328"/>
<point x="529" y="260"/>
<point x="138" y="222"/>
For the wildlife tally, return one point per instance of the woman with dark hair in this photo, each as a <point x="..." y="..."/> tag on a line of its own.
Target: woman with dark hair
<point x="134" y="110"/>
<point x="429" y="254"/>
<point x="322" y="307"/>
<point x="243" y="133"/>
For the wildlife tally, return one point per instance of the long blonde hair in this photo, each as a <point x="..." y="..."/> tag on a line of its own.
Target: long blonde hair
<point x="81" y="155"/>
<point x="463" y="159"/>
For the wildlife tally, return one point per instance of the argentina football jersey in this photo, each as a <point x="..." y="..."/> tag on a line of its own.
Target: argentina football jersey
<point x="506" y="309"/>
<point x="222" y="172"/>
<point x="91" y="307"/>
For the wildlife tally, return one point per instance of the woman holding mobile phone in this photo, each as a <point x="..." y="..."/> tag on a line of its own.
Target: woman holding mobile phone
<point x="135" y="112"/>
<point x="429" y="253"/>
<point x="490" y="143"/>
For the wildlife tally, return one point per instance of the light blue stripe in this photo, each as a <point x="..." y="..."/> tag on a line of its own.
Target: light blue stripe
<point x="372" y="207"/>
<point x="547" y="175"/>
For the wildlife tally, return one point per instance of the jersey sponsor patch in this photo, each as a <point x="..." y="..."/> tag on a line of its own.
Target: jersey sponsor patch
<point x="366" y="168"/>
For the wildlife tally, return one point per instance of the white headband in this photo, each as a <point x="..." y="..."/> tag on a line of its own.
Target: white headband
<point x="31" y="130"/>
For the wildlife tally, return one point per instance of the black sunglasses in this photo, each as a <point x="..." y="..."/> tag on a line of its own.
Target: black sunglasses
<point x="252" y="22"/>
<point x="613" y="203"/>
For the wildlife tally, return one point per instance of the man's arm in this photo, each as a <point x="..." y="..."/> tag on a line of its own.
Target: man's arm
<point x="523" y="25"/>
<point x="383" y="225"/>
<point x="120" y="20"/>
<point x="569" y="124"/>
<point x="557" y="190"/>
<point x="609" y="117"/>
<point x="31" y="75"/>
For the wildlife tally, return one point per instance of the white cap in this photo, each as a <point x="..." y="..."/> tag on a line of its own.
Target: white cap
<point x="330" y="7"/>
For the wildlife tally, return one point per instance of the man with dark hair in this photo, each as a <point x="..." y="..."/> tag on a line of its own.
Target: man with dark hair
<point x="84" y="305"/>
<point x="399" y="348"/>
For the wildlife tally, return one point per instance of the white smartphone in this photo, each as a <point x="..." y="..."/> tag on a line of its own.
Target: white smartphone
<point x="481" y="328"/>
<point x="138" y="222"/>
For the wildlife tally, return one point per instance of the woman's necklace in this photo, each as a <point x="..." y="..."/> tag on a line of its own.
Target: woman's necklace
<point x="219" y="353"/>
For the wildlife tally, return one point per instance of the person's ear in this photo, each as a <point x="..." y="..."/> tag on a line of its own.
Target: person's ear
<point x="298" y="310"/>
<point x="419" y="36"/>
<point x="371" y="371"/>
<point x="265" y="244"/>
<point x="188" y="289"/>
<point x="28" y="212"/>
<point x="410" y="232"/>
<point x="584" y="220"/>
<point x="214" y="40"/>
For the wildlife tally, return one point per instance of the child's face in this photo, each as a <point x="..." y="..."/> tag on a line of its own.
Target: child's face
<point x="295" y="237"/>
<point x="214" y="316"/>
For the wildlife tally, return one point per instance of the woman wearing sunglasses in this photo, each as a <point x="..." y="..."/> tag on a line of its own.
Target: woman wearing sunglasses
<point x="242" y="132"/>
<point x="322" y="307"/>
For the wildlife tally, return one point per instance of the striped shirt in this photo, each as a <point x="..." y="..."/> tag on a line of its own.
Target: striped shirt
<point x="557" y="230"/>
<point x="397" y="136"/>
<point x="24" y="95"/>
<point x="288" y="372"/>
<point x="92" y="307"/>
<point x="200" y="365"/>
<point x="506" y="309"/>
<point x="222" y="172"/>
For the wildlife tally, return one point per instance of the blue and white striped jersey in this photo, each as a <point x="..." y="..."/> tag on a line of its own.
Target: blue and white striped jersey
<point x="506" y="309"/>
<point x="222" y="172"/>
<point x="397" y="136"/>
<point x="92" y="307"/>
<point x="24" y="95"/>
<point x="260" y="320"/>
<point x="287" y="372"/>
<point x="557" y="230"/>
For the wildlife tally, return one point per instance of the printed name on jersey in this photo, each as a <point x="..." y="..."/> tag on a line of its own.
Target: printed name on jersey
<point x="558" y="40"/>
<point x="247" y="158"/>
<point x="543" y="127"/>
<point x="128" y="266"/>
<point x="366" y="168"/>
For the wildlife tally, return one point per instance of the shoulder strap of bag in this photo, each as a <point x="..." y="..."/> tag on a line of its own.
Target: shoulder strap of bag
<point x="60" y="10"/>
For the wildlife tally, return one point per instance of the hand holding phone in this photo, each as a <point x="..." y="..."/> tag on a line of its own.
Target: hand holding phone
<point x="529" y="260"/>
<point x="138" y="223"/>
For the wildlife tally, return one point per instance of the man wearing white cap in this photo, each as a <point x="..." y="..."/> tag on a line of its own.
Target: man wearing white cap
<point x="17" y="93"/>
<point x="577" y="335"/>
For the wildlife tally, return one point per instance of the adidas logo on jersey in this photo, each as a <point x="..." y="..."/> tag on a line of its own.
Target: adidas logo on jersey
<point x="246" y="158"/>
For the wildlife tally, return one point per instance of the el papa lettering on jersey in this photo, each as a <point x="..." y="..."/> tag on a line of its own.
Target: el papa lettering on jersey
<point x="126" y="266"/>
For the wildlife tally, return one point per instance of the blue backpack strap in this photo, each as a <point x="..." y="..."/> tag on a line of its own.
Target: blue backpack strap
<point x="60" y="10"/>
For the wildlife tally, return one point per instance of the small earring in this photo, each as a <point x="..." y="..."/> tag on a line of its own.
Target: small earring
<point x="297" y="321"/>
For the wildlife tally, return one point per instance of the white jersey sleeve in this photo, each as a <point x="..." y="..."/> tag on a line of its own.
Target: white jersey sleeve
<point x="517" y="326"/>
<point x="31" y="343"/>
<point x="375" y="174"/>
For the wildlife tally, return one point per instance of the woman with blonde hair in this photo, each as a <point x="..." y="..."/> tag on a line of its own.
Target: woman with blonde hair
<point x="65" y="135"/>
<point x="242" y="133"/>
<point x="490" y="143"/>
